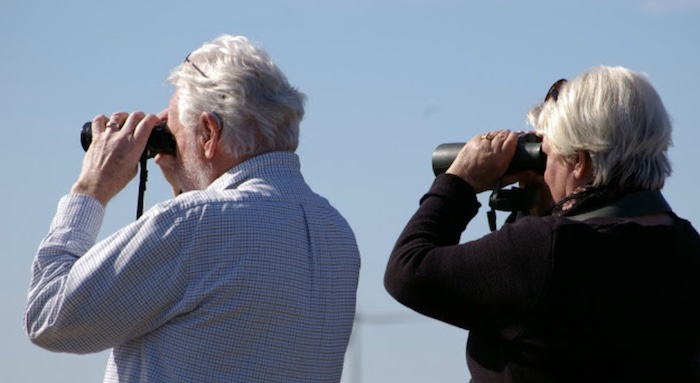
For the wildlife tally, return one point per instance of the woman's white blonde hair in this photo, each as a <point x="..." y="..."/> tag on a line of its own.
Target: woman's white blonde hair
<point x="616" y="116"/>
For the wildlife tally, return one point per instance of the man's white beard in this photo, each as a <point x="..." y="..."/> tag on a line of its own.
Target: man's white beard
<point x="198" y="174"/>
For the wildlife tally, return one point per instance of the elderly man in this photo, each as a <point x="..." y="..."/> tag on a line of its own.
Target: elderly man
<point x="247" y="275"/>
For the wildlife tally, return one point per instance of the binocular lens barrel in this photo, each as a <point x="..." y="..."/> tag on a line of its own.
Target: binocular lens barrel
<point x="160" y="140"/>
<point x="444" y="155"/>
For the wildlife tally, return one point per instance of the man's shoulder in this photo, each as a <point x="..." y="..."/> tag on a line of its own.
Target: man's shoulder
<point x="246" y="197"/>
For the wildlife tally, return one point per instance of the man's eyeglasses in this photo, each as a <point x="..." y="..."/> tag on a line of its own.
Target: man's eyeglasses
<point x="553" y="92"/>
<point x="216" y="115"/>
<point x="187" y="60"/>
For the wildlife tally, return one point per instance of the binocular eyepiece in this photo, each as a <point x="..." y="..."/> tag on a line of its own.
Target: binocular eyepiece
<point x="528" y="155"/>
<point x="160" y="140"/>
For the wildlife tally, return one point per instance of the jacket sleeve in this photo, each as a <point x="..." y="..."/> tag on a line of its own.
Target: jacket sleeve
<point x="490" y="283"/>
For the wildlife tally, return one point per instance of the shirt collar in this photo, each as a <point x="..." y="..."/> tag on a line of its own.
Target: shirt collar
<point x="270" y="163"/>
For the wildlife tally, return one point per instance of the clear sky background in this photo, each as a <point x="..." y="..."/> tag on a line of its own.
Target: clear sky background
<point x="387" y="81"/>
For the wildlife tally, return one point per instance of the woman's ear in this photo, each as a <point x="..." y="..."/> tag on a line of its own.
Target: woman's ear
<point x="210" y="134"/>
<point x="583" y="167"/>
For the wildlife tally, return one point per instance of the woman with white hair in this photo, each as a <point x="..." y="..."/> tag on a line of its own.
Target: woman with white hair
<point x="599" y="282"/>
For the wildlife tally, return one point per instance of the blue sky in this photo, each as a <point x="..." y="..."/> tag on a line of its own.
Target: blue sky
<point x="387" y="81"/>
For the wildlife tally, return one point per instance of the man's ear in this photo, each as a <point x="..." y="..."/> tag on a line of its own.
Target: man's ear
<point x="210" y="134"/>
<point x="583" y="168"/>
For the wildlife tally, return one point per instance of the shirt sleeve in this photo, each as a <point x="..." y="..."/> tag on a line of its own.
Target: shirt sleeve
<point x="486" y="284"/>
<point x="86" y="297"/>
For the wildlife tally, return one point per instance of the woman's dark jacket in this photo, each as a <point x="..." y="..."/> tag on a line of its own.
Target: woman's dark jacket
<point x="550" y="299"/>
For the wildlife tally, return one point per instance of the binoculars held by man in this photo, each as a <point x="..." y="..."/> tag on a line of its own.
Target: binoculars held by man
<point x="160" y="140"/>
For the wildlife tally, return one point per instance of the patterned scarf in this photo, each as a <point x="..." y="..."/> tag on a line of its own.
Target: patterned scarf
<point x="586" y="198"/>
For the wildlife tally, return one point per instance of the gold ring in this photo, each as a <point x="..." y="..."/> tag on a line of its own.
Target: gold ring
<point x="486" y="136"/>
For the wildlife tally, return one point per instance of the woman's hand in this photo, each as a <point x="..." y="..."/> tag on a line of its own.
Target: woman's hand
<point x="533" y="180"/>
<point x="484" y="159"/>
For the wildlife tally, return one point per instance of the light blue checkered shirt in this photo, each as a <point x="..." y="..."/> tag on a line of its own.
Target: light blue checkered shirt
<point x="251" y="280"/>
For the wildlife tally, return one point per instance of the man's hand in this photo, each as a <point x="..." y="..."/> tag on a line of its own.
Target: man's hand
<point x="167" y="166"/>
<point x="167" y="163"/>
<point x="113" y="157"/>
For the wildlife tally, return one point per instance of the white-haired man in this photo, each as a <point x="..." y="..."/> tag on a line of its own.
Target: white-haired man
<point x="247" y="275"/>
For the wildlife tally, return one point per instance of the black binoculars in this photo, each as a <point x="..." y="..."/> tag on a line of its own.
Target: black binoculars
<point x="528" y="155"/>
<point x="160" y="140"/>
